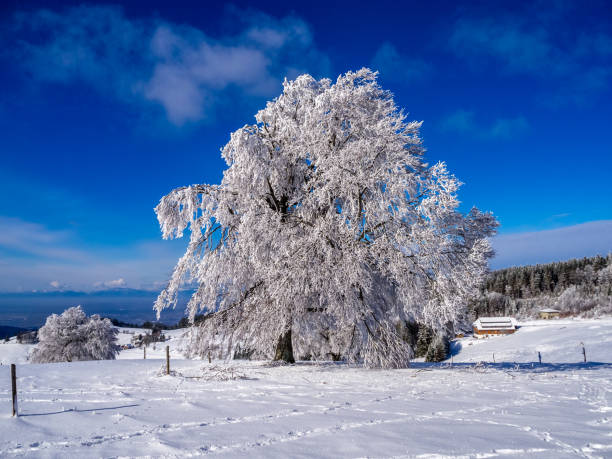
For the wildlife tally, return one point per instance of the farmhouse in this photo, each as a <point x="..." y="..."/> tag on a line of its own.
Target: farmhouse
<point x="549" y="313"/>
<point x="494" y="326"/>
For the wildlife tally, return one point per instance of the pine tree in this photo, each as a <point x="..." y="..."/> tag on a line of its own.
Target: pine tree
<point x="536" y="282"/>
<point x="424" y="339"/>
<point x="438" y="349"/>
<point x="585" y="280"/>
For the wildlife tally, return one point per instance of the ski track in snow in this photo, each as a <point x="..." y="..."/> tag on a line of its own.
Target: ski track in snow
<point x="125" y="408"/>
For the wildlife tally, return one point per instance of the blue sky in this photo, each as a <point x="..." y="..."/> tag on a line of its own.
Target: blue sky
<point x="105" y="108"/>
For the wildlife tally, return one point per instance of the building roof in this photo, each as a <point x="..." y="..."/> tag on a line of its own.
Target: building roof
<point x="495" y="323"/>
<point x="549" y="310"/>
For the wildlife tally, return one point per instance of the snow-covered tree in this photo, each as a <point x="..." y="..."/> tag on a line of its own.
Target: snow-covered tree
<point x="327" y="220"/>
<point x="424" y="338"/>
<point x="438" y="349"/>
<point x="72" y="336"/>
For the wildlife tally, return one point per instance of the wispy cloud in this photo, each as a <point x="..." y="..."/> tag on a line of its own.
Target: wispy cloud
<point x="117" y="283"/>
<point x="519" y="48"/>
<point x="536" y="43"/>
<point x="34" y="257"/>
<point x="58" y="285"/>
<point x="586" y="239"/>
<point x="147" y="60"/>
<point x="464" y="122"/>
<point x="33" y="240"/>
<point x="394" y="66"/>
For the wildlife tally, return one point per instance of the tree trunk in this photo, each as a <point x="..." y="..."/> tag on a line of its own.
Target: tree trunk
<point x="284" y="348"/>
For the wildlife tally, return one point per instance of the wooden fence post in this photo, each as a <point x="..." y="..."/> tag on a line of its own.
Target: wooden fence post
<point x="584" y="353"/>
<point x="209" y="359"/>
<point x="145" y="353"/>
<point x="540" y="357"/>
<point x="14" y="387"/>
<point x="167" y="360"/>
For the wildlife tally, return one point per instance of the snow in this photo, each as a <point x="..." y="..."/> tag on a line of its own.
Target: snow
<point x="174" y="339"/>
<point x="12" y="352"/>
<point x="495" y="323"/>
<point x="558" y="341"/>
<point x="129" y="407"/>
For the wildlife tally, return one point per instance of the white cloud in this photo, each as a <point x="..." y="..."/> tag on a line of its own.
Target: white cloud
<point x="117" y="283"/>
<point x="395" y="67"/>
<point x="175" y="66"/>
<point x="189" y="70"/>
<point x="33" y="256"/>
<point x="464" y="122"/>
<point x="522" y="49"/>
<point x="57" y="285"/>
<point x="36" y="240"/>
<point x="536" y="43"/>
<point x="577" y="241"/>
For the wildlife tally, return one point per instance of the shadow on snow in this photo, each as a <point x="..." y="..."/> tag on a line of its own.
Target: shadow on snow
<point x="76" y="410"/>
<point x="530" y="367"/>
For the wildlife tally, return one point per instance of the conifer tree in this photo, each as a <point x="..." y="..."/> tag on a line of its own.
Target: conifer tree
<point x="424" y="339"/>
<point x="438" y="349"/>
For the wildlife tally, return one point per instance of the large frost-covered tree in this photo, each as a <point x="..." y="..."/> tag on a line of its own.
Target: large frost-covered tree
<point x="327" y="224"/>
<point x="72" y="336"/>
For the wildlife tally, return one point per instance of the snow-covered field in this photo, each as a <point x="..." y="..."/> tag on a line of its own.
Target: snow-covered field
<point x="558" y="341"/>
<point x="128" y="407"/>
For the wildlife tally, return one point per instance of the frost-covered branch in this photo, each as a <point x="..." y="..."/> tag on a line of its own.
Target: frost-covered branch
<point x="328" y="208"/>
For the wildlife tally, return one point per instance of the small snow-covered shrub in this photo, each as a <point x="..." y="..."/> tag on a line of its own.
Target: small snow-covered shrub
<point x="73" y="336"/>
<point x="220" y="373"/>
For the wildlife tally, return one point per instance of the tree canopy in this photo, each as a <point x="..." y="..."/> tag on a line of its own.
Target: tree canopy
<point x="327" y="223"/>
<point x="72" y="336"/>
<point x="577" y="286"/>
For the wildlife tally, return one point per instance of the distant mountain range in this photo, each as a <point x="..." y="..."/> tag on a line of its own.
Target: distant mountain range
<point x="30" y="309"/>
<point x="116" y="292"/>
<point x="7" y="332"/>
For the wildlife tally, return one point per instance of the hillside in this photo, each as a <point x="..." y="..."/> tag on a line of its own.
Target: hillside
<point x="8" y="331"/>
<point x="558" y="341"/>
<point x="30" y="309"/>
<point x="129" y="407"/>
<point x="577" y="287"/>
